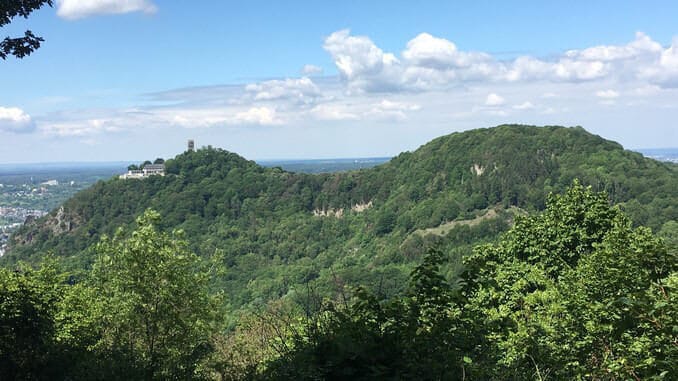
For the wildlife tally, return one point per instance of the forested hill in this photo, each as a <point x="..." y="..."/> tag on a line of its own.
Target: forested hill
<point x="277" y="229"/>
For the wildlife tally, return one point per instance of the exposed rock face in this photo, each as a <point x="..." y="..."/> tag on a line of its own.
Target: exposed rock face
<point x="61" y="223"/>
<point x="56" y="224"/>
<point x="339" y="213"/>
<point x="361" y="207"/>
<point x="477" y="169"/>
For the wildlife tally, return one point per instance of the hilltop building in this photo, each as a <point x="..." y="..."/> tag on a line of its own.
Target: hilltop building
<point x="146" y="171"/>
<point x="191" y="145"/>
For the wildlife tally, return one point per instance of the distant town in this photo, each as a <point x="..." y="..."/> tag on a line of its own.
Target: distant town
<point x="11" y="218"/>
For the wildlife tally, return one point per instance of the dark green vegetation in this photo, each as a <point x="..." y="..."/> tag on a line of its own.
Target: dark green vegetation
<point x="572" y="293"/>
<point x="143" y="312"/>
<point x="20" y="47"/>
<point x="576" y="292"/>
<point x="279" y="231"/>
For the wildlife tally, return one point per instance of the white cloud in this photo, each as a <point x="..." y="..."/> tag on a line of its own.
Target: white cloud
<point x="361" y="63"/>
<point x="664" y="70"/>
<point x="85" y="127"/>
<point x="642" y="45"/>
<point x="391" y="110"/>
<point x="607" y="94"/>
<point x="432" y="63"/>
<point x="333" y="112"/>
<point x="364" y="110"/>
<point x="302" y="90"/>
<point x="311" y="70"/>
<point x="77" y="9"/>
<point x="14" y="119"/>
<point x="258" y="115"/>
<point x="428" y="51"/>
<point x="493" y="100"/>
<point x="527" y="105"/>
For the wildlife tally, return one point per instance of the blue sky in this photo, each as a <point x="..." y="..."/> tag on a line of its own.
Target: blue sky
<point x="313" y="79"/>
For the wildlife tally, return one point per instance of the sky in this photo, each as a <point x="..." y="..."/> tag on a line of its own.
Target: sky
<point x="135" y="79"/>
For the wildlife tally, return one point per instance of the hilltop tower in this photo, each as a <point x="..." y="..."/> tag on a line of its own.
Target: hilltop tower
<point x="191" y="145"/>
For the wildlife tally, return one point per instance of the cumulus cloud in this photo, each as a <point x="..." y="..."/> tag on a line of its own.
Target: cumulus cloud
<point x="77" y="9"/>
<point x="432" y="63"/>
<point x="311" y="70"/>
<point x="642" y="45"/>
<point x="664" y="69"/>
<point x="361" y="63"/>
<point x="14" y="119"/>
<point x="493" y="100"/>
<point x="428" y="51"/>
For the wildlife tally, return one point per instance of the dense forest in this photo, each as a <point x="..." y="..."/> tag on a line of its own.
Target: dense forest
<point x="278" y="230"/>
<point x="574" y="292"/>
<point x="449" y="262"/>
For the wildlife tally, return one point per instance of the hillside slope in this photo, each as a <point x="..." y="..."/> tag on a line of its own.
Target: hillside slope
<point x="277" y="230"/>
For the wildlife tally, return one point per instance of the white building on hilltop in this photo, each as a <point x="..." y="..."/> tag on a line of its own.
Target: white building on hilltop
<point x="146" y="171"/>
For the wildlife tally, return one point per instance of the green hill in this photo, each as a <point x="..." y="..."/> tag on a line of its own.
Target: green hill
<point x="279" y="230"/>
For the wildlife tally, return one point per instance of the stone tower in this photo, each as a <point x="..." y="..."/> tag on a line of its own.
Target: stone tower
<point x="191" y="145"/>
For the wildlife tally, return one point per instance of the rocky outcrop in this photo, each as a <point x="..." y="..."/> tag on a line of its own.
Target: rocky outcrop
<point x="339" y="213"/>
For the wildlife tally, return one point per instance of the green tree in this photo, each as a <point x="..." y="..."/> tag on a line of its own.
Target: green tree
<point x="28" y="305"/>
<point x="20" y="47"/>
<point x="574" y="293"/>
<point x="156" y="314"/>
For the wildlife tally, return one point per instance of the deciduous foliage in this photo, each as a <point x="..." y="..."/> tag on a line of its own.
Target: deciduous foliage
<point x="28" y="305"/>
<point x="156" y="314"/>
<point x="279" y="230"/>
<point x="573" y="293"/>
<point x="20" y="46"/>
<point x="143" y="313"/>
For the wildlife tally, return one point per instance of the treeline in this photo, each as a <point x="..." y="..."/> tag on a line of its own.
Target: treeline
<point x="575" y="292"/>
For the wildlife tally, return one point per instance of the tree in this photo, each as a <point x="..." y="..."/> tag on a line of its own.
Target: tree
<point x="416" y="336"/>
<point x="28" y="304"/>
<point x="20" y="47"/>
<point x="574" y="293"/>
<point x="156" y="315"/>
<point x="132" y="167"/>
<point x="159" y="161"/>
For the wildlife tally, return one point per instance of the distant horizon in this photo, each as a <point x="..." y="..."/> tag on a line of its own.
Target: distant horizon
<point x="673" y="150"/>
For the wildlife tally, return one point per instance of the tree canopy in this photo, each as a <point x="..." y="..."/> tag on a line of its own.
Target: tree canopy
<point x="20" y="47"/>
<point x="144" y="312"/>
<point x="572" y="293"/>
